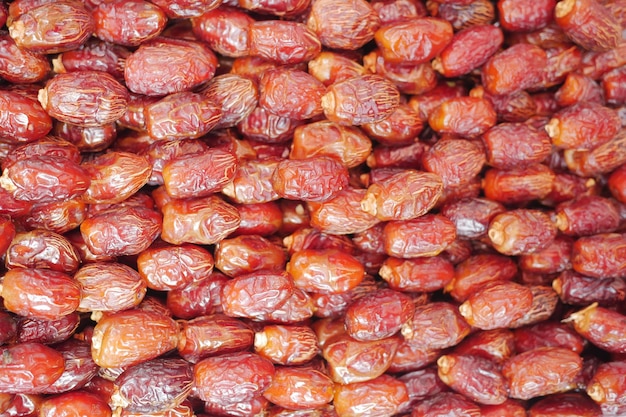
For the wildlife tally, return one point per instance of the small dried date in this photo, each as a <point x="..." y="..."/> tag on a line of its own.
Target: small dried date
<point x="131" y="337"/>
<point x="153" y="386"/>
<point x="362" y="99"/>
<point x="84" y="98"/>
<point x="553" y="369"/>
<point x="40" y="293"/>
<point x="29" y="367"/>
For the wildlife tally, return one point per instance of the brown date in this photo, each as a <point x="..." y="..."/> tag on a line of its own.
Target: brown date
<point x="203" y="221"/>
<point x="29" y="367"/>
<point x="121" y="230"/>
<point x="482" y="40"/>
<point x="21" y="65"/>
<point x="601" y="326"/>
<point x="456" y="161"/>
<point x="198" y="174"/>
<point x="109" y="286"/>
<point x="515" y="145"/>
<point x="282" y="41"/>
<point x="428" y="235"/>
<point x="257" y="293"/>
<point x="225" y="30"/>
<point x="45" y="179"/>
<point x="350" y="360"/>
<point x="588" y="23"/>
<point x="342" y="214"/>
<point x="47" y="331"/>
<point x="248" y="253"/>
<point x="169" y="267"/>
<point x="344" y="24"/>
<point x="346" y="143"/>
<point x="128" y="23"/>
<point x="464" y="116"/>
<point x="42" y="249"/>
<point x="318" y="178"/>
<point x="153" y="386"/>
<point x="132" y="336"/>
<point x="607" y="386"/>
<point x="331" y="67"/>
<point x="213" y="335"/>
<point x="93" y="55"/>
<point x="417" y="275"/>
<point x="435" y="325"/>
<point x="181" y="115"/>
<point x="487" y="386"/>
<point x="286" y="344"/>
<point x="478" y="270"/>
<point x="523" y="65"/>
<point x="583" y="126"/>
<point x="496" y="305"/>
<point x="300" y="388"/>
<point x="553" y="369"/>
<point x="415" y="41"/>
<point x="291" y="93"/>
<point x="73" y="403"/>
<point x="232" y="378"/>
<point x="521" y="231"/>
<point x="40" y="293"/>
<point x="115" y="176"/>
<point x="52" y="27"/>
<point x="577" y="289"/>
<point x="236" y="95"/>
<point x="84" y="98"/>
<point x="600" y="255"/>
<point x="378" y="315"/>
<point x="384" y="397"/>
<point x="161" y="66"/>
<point x="406" y="195"/>
<point x="325" y="270"/>
<point x="362" y="99"/>
<point x="25" y="119"/>
<point x="525" y="16"/>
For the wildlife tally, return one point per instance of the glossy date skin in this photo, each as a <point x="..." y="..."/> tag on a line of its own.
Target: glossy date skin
<point x="33" y="67"/>
<point x="40" y="293"/>
<point x="17" y="128"/>
<point x="149" y="69"/>
<point x="84" y="98"/>
<point x="292" y="178"/>
<point x="52" y="27"/>
<point x="29" y="368"/>
<point x="132" y="336"/>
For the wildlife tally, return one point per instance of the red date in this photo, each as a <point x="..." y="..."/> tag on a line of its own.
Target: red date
<point x="52" y="27"/>
<point x="232" y="378"/>
<point x="361" y="99"/>
<point x="553" y="369"/>
<point x="132" y="336"/>
<point x="161" y="66"/>
<point x="40" y="293"/>
<point x="29" y="367"/>
<point x="317" y="179"/>
<point x="84" y="98"/>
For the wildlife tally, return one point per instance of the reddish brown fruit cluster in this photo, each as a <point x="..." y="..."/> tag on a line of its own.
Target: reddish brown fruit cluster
<point x="322" y="208"/>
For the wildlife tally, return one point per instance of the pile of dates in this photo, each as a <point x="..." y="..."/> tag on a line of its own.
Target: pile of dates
<point x="313" y="208"/>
